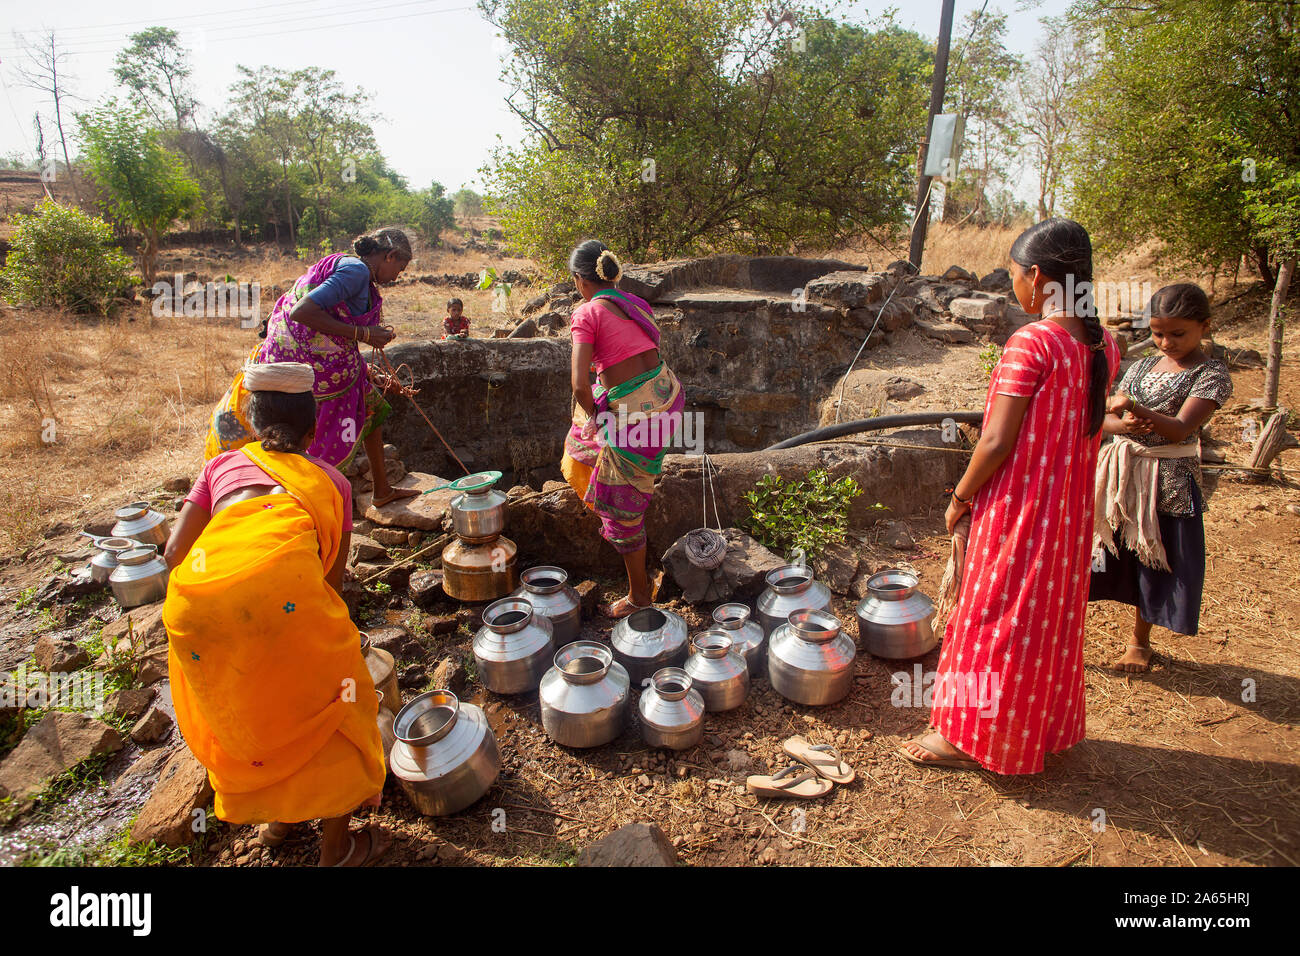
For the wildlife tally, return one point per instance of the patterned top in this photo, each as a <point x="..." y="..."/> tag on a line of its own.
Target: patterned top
<point x="1165" y="392"/>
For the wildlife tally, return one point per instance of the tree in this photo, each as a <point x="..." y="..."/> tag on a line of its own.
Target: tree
<point x="156" y="70"/>
<point x="1194" y="110"/>
<point x="673" y="126"/>
<point x="41" y="72"/>
<point x="60" y="256"/>
<point x="147" y="185"/>
<point x="467" y="203"/>
<point x="1048" y="92"/>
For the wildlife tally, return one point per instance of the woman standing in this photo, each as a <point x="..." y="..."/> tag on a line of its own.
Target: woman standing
<point x="622" y="426"/>
<point x="271" y="691"/>
<point x="1010" y="684"/>
<point x="323" y="321"/>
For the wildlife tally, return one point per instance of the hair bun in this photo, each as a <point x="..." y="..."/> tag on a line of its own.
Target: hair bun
<point x="604" y="272"/>
<point x="364" y="245"/>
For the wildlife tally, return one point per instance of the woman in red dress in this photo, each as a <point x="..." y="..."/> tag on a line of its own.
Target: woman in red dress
<point x="1009" y="689"/>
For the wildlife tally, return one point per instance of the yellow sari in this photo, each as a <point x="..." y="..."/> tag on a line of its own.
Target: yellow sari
<point x="271" y="691"/>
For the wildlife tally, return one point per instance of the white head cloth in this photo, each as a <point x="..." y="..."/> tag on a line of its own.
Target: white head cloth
<point x="290" y="377"/>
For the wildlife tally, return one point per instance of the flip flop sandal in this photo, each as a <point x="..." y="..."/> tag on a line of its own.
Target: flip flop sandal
<point x="268" y="839"/>
<point x="611" y="610"/>
<point x="823" y="758"/>
<point x="795" y="781"/>
<point x="950" y="763"/>
<point x="371" y="855"/>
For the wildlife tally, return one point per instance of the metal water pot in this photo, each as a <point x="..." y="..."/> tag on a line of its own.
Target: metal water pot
<point x="140" y="577"/>
<point x="810" y="660"/>
<point x="478" y="516"/>
<point x="445" y="754"/>
<point x="672" y="711"/>
<point x="385" y="721"/>
<point x="648" y="639"/>
<point x="584" y="696"/>
<point x="718" y="672"/>
<point x="141" y="523"/>
<point x="790" y="588"/>
<point x="383" y="672"/>
<point x="103" y="563"/>
<point x="895" y="619"/>
<point x="514" y="647"/>
<point x="747" y="636"/>
<point x="479" y="572"/>
<point x="547" y="590"/>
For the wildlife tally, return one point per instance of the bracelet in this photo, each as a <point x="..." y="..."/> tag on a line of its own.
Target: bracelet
<point x="960" y="500"/>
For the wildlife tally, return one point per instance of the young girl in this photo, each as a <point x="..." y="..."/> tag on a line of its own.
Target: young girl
<point x="455" y="325"/>
<point x="1158" y="562"/>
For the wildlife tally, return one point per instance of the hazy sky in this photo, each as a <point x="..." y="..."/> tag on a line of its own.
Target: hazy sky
<point x="432" y="65"/>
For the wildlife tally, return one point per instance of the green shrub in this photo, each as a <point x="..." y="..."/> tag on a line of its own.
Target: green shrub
<point x="800" y="517"/>
<point x="60" y="256"/>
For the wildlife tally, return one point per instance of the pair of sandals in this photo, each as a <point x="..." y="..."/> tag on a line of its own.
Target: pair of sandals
<point x="818" y="768"/>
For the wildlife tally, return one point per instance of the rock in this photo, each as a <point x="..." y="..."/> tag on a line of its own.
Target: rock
<point x="738" y="759"/>
<point x="390" y="452"/>
<point x="412" y="677"/>
<point x="536" y="303"/>
<point x="168" y="816"/>
<point x="740" y="575"/>
<point x="365" y="548"/>
<point x="1017" y="317"/>
<point x="153" y="727"/>
<point x="866" y="394"/>
<point x="958" y="274"/>
<point x="1212" y="456"/>
<point x="423" y="512"/>
<point x="896" y="536"/>
<point x="556" y="522"/>
<point x="178" y="484"/>
<point x="999" y="280"/>
<point x="944" y="331"/>
<point x="851" y="290"/>
<point x="57" y="654"/>
<point x="102" y="525"/>
<point x="470" y="617"/>
<point x="391" y="639"/>
<point x="552" y="321"/>
<point x="636" y="844"/>
<point x="589" y="595"/>
<point x="65" y="588"/>
<point x="987" y="311"/>
<point x="58" y="742"/>
<point x="425" y="588"/>
<point x="129" y="703"/>
<point x="149" y="764"/>
<point x="153" y="667"/>
<point x="527" y="329"/>
<point x="901" y="267"/>
<point x="390" y="537"/>
<point x="450" y="675"/>
<point x="837" y="567"/>
<point x="144" y="622"/>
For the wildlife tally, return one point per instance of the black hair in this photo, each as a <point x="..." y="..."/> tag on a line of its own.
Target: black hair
<point x="1062" y="250"/>
<point x="451" y="302"/>
<point x="595" y="262"/>
<point x="382" y="240"/>
<point x="1182" y="300"/>
<point x="282" y="419"/>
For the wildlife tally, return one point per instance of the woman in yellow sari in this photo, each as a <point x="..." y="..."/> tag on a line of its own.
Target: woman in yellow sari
<point x="271" y="691"/>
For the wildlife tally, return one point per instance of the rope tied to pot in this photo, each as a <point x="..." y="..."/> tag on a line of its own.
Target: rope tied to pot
<point x="706" y="548"/>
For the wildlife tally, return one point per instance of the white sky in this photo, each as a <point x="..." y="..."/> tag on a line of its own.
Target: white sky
<point x="432" y="65"/>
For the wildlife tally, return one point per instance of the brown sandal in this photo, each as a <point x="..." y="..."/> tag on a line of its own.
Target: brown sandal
<point x="371" y="853"/>
<point x="952" y="761"/>
<point x="620" y="609"/>
<point x="823" y="758"/>
<point x="795" y="781"/>
<point x="394" y="494"/>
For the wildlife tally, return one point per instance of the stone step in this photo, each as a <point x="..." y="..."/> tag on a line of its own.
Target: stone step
<point x="423" y="512"/>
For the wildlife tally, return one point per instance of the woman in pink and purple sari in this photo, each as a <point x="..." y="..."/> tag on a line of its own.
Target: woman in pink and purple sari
<point x="323" y="321"/>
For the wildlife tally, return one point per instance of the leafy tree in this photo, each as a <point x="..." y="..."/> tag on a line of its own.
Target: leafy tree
<point x="437" y="212"/>
<point x="467" y="202"/>
<point x="673" y="126"/>
<point x="62" y="257"/>
<point x="156" y="69"/>
<point x="146" y="183"/>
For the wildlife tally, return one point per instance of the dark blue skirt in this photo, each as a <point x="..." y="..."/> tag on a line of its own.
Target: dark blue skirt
<point x="1170" y="598"/>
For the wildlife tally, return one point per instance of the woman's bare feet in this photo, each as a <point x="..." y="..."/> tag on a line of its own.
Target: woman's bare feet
<point x="1136" y="659"/>
<point x="388" y="494"/>
<point x="932" y="748"/>
<point x="621" y="608"/>
<point x="273" y="834"/>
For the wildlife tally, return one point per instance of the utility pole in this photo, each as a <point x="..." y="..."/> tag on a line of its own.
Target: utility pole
<point x="936" y="106"/>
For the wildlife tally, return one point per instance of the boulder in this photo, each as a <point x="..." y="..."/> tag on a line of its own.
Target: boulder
<point x="153" y="666"/>
<point x="944" y="331"/>
<point x="851" y="290"/>
<point x="837" y="566"/>
<point x="178" y="484"/>
<point x="365" y="548"/>
<point x="985" y="311"/>
<point x="557" y="523"/>
<point x="58" y="742"/>
<point x="168" y="816"/>
<point x="425" y="587"/>
<point x="394" y="640"/>
<point x="59" y="655"/>
<point x="999" y="280"/>
<point x="144" y="622"/>
<point x="636" y="844"/>
<point x="450" y="675"/>
<point x="896" y="535"/>
<point x="526" y="329"/>
<point x="152" y="728"/>
<point x="958" y="274"/>
<point x="129" y="703"/>
<point x="867" y="393"/>
<point x="390" y="538"/>
<point x="424" y="512"/>
<point x="740" y="575"/>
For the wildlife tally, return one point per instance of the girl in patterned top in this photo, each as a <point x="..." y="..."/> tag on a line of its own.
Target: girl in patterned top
<point x="1161" y="403"/>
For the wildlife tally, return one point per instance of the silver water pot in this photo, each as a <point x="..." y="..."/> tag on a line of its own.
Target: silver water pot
<point x="895" y="619"/>
<point x="444" y="754"/>
<point x="584" y="696"/>
<point x="810" y="660"/>
<point x="140" y="577"/>
<point x="747" y="637"/>
<point x="547" y="589"/>
<point x="103" y="563"/>
<point x="514" y="647"/>
<point x="648" y="639"/>
<point x="141" y="523"/>
<point x="672" y="711"/>
<point x="478" y="516"/>
<point x="383" y="673"/>
<point x="718" y="672"/>
<point x="790" y="588"/>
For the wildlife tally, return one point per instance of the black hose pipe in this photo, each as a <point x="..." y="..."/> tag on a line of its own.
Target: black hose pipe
<point x="876" y="424"/>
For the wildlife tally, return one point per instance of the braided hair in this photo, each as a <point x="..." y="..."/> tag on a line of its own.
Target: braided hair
<point x="1062" y="250"/>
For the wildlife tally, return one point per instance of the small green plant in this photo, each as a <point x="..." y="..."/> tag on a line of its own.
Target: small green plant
<point x="383" y="587"/>
<point x="25" y="597"/>
<point x="990" y="355"/>
<point x="800" y="517"/>
<point x="62" y="257"/>
<point x="501" y="301"/>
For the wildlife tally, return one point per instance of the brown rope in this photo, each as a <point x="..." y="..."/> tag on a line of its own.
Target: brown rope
<point x="388" y="380"/>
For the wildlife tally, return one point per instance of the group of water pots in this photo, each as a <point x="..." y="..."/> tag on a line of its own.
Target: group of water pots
<point x="445" y="754"/>
<point x="129" y="559"/>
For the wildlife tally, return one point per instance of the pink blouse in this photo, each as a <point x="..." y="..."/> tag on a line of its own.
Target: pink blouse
<point x="233" y="470"/>
<point x="615" y="338"/>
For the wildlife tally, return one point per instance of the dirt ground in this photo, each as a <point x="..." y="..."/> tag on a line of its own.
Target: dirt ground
<point x="1185" y="769"/>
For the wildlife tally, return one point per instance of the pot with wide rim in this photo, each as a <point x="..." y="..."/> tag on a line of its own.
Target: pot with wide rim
<point x="444" y="754"/>
<point x="383" y="672"/>
<point x="479" y="572"/>
<point x="895" y="620"/>
<point x="810" y="660"/>
<point x="514" y="647"/>
<point x="790" y="588"/>
<point x="718" y="671"/>
<point x="647" y="639"/>
<point x="140" y="577"/>
<point x="747" y="636"/>
<point x="672" y="710"/>
<point x="547" y="589"/>
<point x="584" y="696"/>
<point x="141" y="523"/>
<point x="105" y="560"/>
<point x="479" y="516"/>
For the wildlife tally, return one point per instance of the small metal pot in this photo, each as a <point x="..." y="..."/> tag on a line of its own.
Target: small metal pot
<point x="584" y="696"/>
<point x="672" y="712"/>
<point x="478" y="516"/>
<point x="717" y="671"/>
<point x="810" y="660"/>
<point x="648" y="639"/>
<point x="141" y="523"/>
<point x="103" y="563"/>
<point x="546" y="589"/>
<point x="444" y="754"/>
<point x="747" y="637"/>
<point x="514" y="647"/>
<point x="140" y="577"/>
<point x="895" y="619"/>
<point x="383" y="672"/>
<point x="790" y="588"/>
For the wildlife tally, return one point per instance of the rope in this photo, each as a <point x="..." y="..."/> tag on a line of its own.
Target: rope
<point x="388" y="380"/>
<point x="705" y="547"/>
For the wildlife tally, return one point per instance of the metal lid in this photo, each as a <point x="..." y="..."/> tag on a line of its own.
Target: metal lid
<point x="426" y="719"/>
<point x="477" y="482"/>
<point x="138" y="555"/>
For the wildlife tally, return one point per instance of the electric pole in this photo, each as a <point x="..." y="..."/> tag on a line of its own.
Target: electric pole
<point x="937" y="87"/>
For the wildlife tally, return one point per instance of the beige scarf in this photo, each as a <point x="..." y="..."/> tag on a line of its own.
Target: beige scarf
<point x="950" y="586"/>
<point x="1127" y="494"/>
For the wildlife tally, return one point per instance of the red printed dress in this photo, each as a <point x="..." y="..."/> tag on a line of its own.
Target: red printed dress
<point x="1010" y="684"/>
